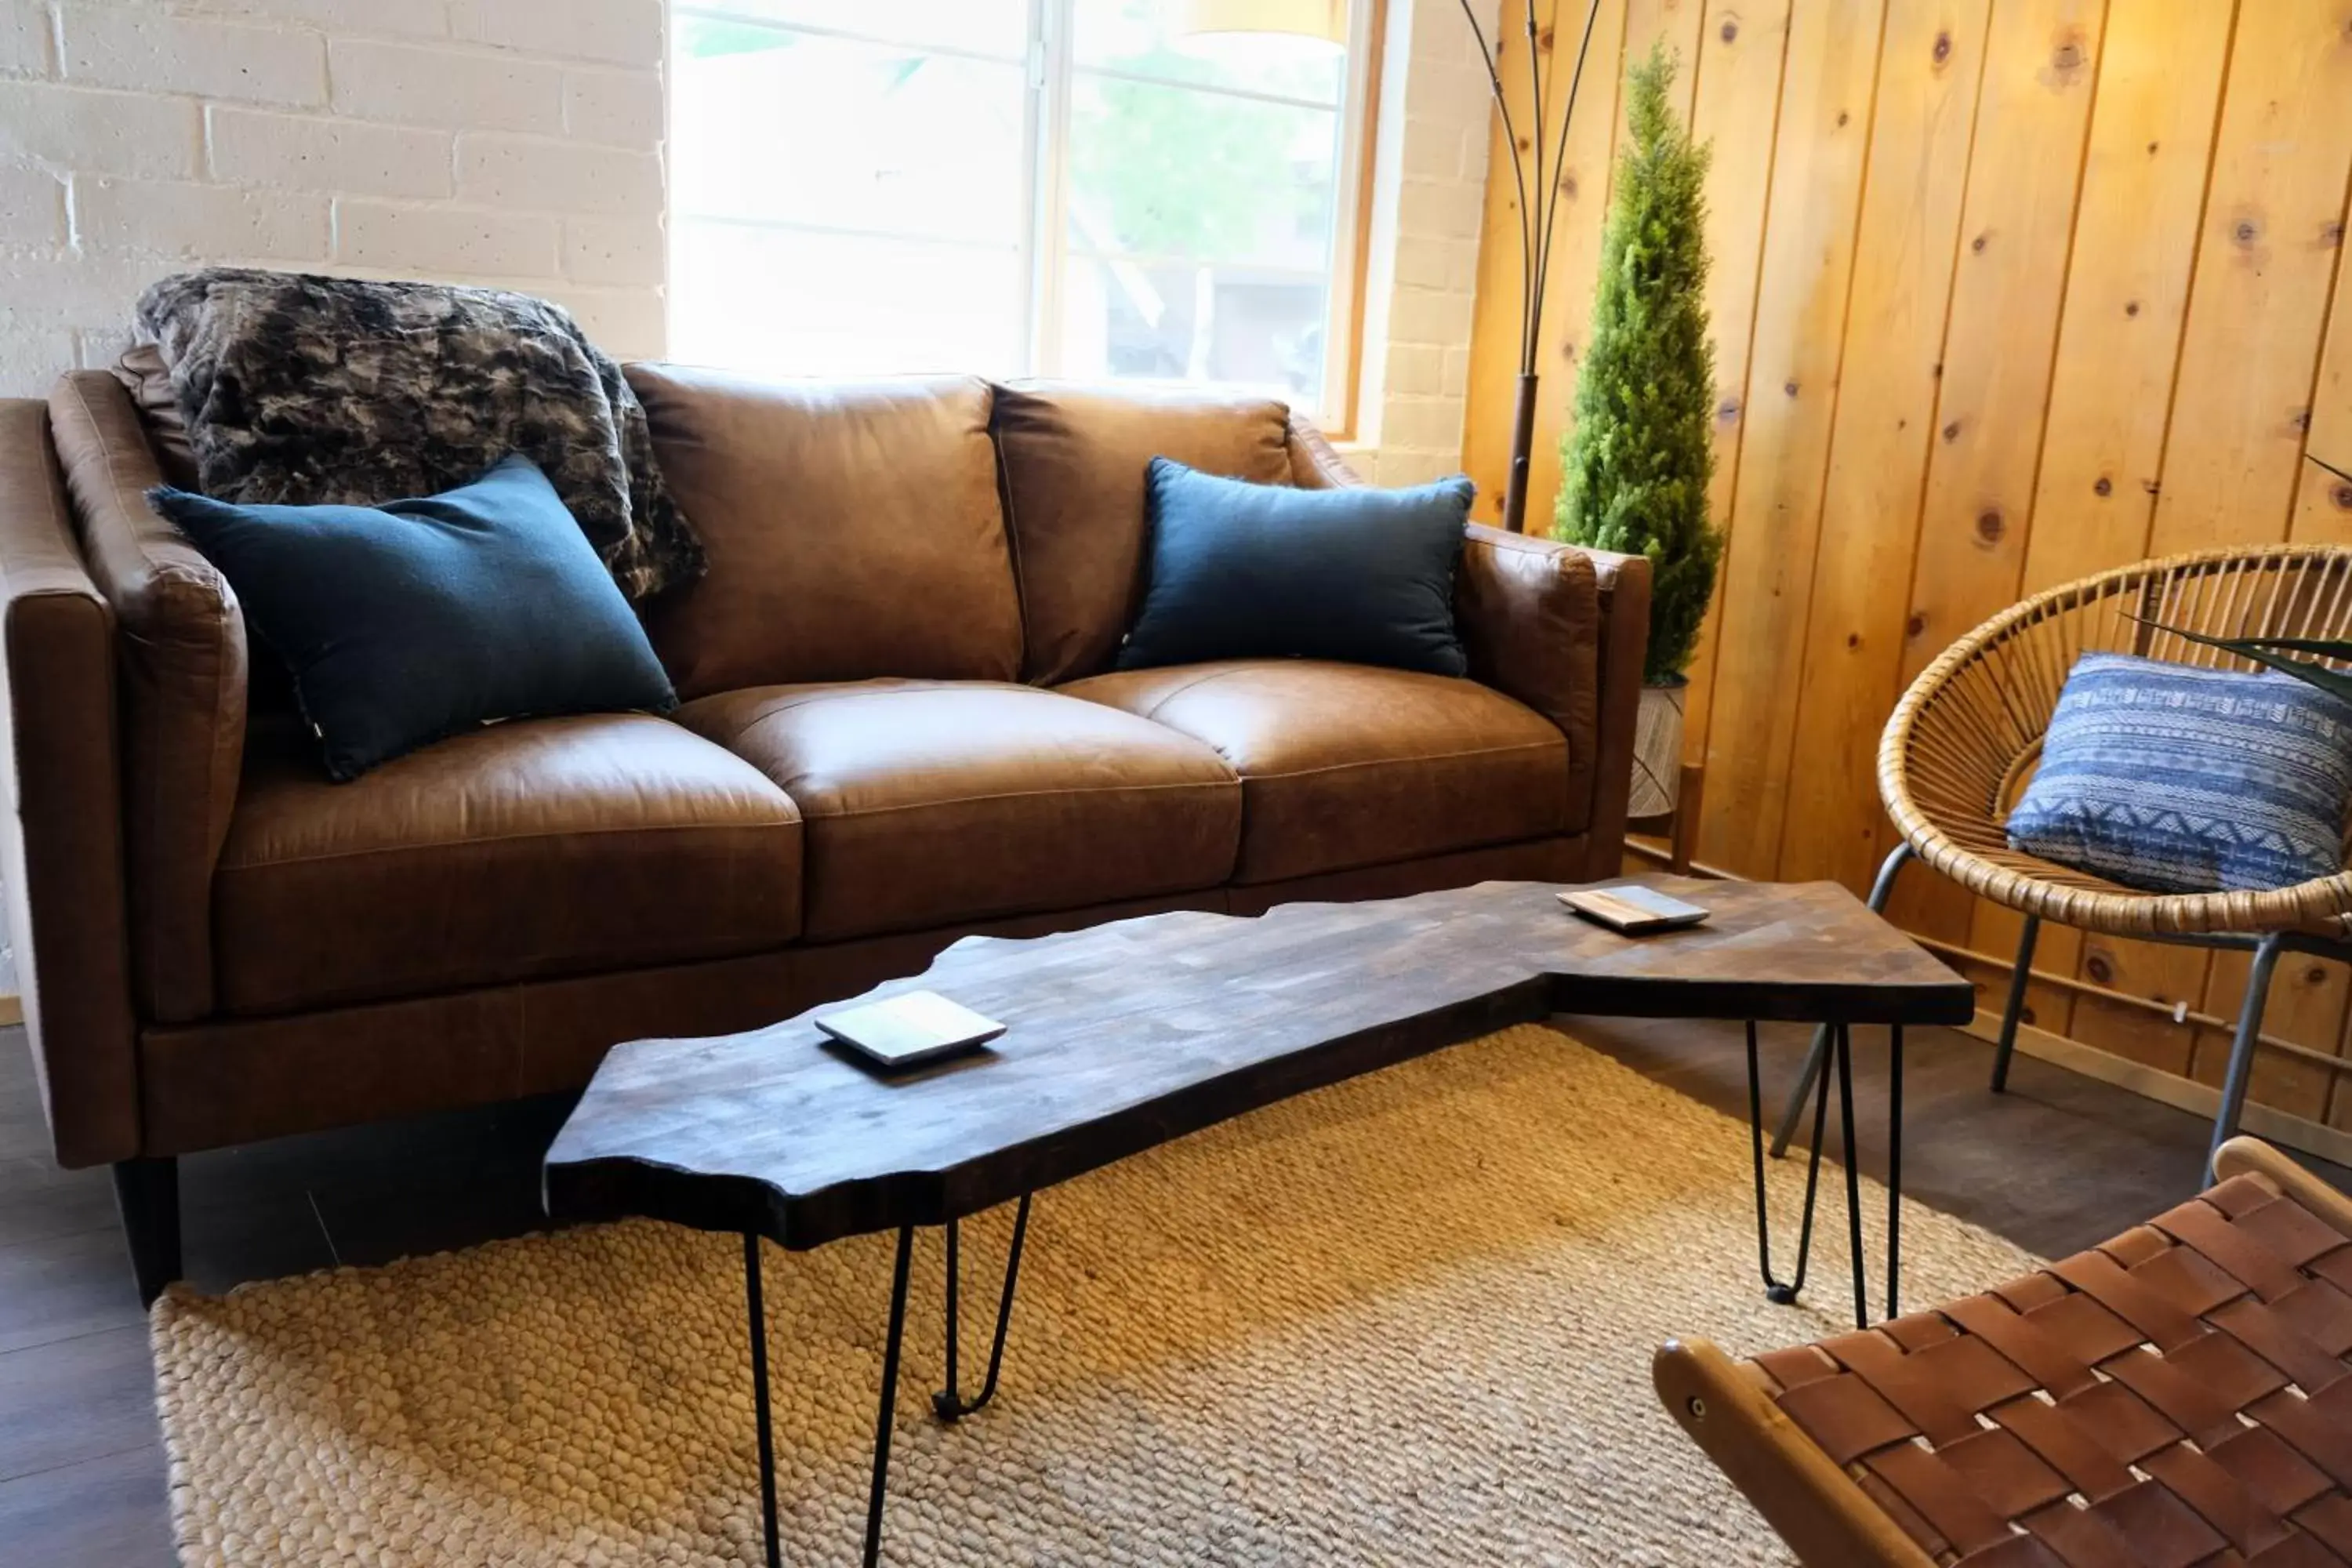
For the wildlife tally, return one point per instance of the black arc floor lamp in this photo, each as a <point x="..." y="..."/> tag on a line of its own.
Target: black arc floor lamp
<point x="1538" y="224"/>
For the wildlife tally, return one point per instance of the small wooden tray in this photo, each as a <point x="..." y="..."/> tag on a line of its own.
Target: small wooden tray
<point x="1633" y="910"/>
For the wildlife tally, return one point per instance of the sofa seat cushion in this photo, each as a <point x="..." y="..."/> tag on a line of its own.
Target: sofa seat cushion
<point x="932" y="801"/>
<point x="1345" y="765"/>
<point x="545" y="847"/>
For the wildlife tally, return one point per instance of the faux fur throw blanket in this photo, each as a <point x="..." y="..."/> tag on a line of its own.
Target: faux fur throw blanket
<point x="314" y="391"/>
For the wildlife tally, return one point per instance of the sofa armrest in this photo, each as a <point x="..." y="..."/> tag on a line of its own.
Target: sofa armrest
<point x="184" y="690"/>
<point x="61" y="853"/>
<point x="1562" y="629"/>
<point x="1624" y="585"/>
<point x="1315" y="465"/>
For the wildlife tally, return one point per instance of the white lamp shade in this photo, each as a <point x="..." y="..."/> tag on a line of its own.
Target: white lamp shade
<point x="1323" y="19"/>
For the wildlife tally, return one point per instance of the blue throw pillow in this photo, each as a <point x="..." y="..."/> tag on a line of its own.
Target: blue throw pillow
<point x="404" y="623"/>
<point x="1244" y="571"/>
<point x="2178" y="780"/>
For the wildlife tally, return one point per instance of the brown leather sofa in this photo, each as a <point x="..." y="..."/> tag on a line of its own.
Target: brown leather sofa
<point x="900" y="726"/>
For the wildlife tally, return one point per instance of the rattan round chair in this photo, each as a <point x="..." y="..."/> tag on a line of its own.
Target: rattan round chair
<point x="1968" y="735"/>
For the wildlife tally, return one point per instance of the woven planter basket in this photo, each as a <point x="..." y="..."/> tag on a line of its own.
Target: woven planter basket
<point x="1657" y="749"/>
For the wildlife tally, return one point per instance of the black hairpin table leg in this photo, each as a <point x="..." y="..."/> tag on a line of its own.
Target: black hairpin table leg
<point x="950" y="1402"/>
<point x="1894" y="1172"/>
<point x="759" y="1325"/>
<point x="1852" y="1176"/>
<point x="1774" y="1290"/>
<point x="759" y="1330"/>
<point x="882" y="1422"/>
<point x="1840" y="1039"/>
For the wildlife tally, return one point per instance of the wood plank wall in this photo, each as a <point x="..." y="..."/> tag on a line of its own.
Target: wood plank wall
<point x="2004" y="293"/>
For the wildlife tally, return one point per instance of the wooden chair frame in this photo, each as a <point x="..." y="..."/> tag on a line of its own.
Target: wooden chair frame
<point x="1816" y="1505"/>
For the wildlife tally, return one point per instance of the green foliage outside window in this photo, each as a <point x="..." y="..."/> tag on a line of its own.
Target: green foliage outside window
<point x="1167" y="172"/>
<point x="1164" y="159"/>
<point x="1638" y="456"/>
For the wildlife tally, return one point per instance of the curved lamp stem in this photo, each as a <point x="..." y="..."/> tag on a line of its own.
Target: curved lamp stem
<point x="1538" y="207"/>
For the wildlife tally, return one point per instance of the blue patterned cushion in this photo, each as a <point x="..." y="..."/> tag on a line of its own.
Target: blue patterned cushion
<point x="2178" y="780"/>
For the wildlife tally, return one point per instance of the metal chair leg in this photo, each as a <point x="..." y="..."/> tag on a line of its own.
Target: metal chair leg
<point x="1818" y="1056"/>
<point x="2014" y="1007"/>
<point x="1815" y="1060"/>
<point x="2242" y="1049"/>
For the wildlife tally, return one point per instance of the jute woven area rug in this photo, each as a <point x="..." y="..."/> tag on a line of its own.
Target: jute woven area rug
<point x="1404" y="1320"/>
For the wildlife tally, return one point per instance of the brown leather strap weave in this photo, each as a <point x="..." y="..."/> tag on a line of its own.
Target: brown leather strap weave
<point x="2175" y="1398"/>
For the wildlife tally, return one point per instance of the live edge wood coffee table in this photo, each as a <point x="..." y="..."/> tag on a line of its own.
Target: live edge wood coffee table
<point x="1130" y="1035"/>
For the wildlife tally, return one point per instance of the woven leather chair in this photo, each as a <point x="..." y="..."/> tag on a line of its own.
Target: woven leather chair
<point x="2179" y="1396"/>
<point x="1968" y="735"/>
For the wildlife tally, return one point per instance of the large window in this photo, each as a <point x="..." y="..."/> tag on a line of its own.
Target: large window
<point x="1088" y="188"/>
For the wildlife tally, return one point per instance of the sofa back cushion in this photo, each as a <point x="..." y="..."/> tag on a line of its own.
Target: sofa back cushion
<point x="141" y="371"/>
<point x="1075" y="459"/>
<point x="853" y="529"/>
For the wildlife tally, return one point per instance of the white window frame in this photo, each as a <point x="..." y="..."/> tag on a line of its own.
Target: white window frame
<point x="1042" y="247"/>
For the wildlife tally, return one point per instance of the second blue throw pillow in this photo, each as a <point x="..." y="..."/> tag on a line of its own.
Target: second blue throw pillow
<point x="1244" y="571"/>
<point x="2178" y="779"/>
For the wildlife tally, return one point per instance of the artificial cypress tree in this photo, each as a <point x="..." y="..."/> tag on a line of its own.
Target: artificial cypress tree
<point x="1639" y="455"/>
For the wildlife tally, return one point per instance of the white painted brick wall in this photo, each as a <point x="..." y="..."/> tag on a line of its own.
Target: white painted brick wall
<point x="617" y="107"/>
<point x="419" y="84"/>
<point x="514" y="142"/>
<point x="505" y="171"/>
<point x="146" y="49"/>
<point x="192" y="221"/>
<point x="404" y="236"/>
<point x="622" y="32"/>
<point x="1429" y="198"/>
<point x="24" y="37"/>
<point x="261" y="148"/>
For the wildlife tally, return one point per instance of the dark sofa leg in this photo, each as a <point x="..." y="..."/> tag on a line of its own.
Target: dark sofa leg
<point x="148" y="1193"/>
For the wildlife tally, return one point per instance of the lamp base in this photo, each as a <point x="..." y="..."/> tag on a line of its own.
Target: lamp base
<point x="1523" y="435"/>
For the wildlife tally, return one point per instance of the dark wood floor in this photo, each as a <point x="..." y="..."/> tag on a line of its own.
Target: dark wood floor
<point x="2059" y="1163"/>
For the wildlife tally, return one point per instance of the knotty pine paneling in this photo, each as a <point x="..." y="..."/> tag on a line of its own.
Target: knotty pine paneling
<point x="2266" y="264"/>
<point x="2268" y="244"/>
<point x="1735" y="107"/>
<point x="2033" y="121"/>
<point x="2004" y="293"/>
<point x="1829" y="82"/>
<point x="2322" y="511"/>
<point x="2143" y="191"/>
<point x="1931" y="64"/>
